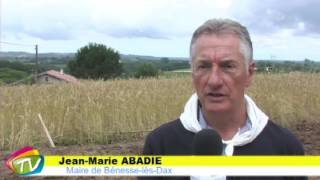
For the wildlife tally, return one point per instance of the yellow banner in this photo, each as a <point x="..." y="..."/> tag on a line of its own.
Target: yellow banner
<point x="187" y="161"/>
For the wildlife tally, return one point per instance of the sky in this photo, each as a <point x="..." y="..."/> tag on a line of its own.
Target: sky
<point x="280" y="30"/>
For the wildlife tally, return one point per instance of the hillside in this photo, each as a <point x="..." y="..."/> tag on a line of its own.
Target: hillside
<point x="15" y="66"/>
<point x="124" y="57"/>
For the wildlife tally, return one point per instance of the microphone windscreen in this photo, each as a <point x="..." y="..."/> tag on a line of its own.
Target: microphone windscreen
<point x="207" y="142"/>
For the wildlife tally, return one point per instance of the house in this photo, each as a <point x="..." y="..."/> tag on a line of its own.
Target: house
<point x="53" y="76"/>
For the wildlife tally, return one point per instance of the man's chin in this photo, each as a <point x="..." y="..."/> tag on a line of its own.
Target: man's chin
<point x="216" y="107"/>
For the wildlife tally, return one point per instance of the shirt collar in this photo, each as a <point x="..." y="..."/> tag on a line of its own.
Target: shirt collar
<point x="204" y="125"/>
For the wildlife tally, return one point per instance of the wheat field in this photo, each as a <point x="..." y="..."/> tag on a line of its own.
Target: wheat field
<point x="100" y="112"/>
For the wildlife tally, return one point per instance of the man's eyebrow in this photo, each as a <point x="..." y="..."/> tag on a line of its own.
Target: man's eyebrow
<point x="229" y="61"/>
<point x="203" y="60"/>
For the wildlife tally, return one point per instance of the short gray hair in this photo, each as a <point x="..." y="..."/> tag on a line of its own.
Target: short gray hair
<point x="226" y="26"/>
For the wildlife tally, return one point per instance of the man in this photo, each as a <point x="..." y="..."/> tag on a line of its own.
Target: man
<point x="222" y="68"/>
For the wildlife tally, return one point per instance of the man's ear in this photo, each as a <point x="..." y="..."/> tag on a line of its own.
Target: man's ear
<point x="251" y="70"/>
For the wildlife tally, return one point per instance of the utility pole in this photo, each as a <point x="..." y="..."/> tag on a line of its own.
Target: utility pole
<point x="37" y="65"/>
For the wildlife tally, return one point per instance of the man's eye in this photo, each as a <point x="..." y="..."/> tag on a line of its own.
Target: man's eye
<point x="203" y="66"/>
<point x="229" y="66"/>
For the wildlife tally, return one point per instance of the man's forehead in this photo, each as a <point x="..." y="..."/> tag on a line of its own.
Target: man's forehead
<point x="218" y="52"/>
<point x="226" y="44"/>
<point x="220" y="39"/>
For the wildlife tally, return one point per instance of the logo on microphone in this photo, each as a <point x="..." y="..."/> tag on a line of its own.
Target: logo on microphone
<point x="25" y="161"/>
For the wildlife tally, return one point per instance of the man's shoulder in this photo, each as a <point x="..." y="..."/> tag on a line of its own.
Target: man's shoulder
<point x="169" y="139"/>
<point x="273" y="140"/>
<point x="169" y="129"/>
<point x="279" y="131"/>
<point x="283" y="136"/>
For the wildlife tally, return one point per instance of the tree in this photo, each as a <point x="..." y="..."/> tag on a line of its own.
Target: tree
<point x="146" y="70"/>
<point x="164" y="60"/>
<point x="95" y="61"/>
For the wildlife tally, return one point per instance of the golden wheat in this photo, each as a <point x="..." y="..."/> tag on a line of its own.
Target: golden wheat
<point x="100" y="111"/>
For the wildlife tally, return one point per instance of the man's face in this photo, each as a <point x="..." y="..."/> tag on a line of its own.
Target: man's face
<point x="219" y="73"/>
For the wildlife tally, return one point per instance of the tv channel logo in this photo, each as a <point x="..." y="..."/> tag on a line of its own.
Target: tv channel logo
<point x="25" y="161"/>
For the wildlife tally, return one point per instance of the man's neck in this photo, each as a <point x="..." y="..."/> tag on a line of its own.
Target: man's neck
<point x="227" y="124"/>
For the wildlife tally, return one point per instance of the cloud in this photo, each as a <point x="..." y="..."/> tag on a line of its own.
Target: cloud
<point x="124" y="18"/>
<point x="271" y="16"/>
<point x="47" y="19"/>
<point x="144" y="32"/>
<point x="157" y="27"/>
<point x="60" y="19"/>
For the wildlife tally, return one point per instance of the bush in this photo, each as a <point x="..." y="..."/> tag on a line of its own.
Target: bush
<point x="146" y="70"/>
<point x="8" y="75"/>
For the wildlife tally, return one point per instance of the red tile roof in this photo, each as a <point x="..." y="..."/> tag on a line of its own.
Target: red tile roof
<point x="60" y="75"/>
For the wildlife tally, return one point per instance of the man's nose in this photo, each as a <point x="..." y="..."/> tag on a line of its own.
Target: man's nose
<point x="215" y="78"/>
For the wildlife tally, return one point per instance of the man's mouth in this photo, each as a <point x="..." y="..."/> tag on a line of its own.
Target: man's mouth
<point x="216" y="94"/>
<point x="216" y="97"/>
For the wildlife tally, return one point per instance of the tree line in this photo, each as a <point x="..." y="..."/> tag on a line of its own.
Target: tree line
<point x="97" y="61"/>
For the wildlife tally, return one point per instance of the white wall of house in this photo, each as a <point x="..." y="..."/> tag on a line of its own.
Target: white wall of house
<point x="48" y="79"/>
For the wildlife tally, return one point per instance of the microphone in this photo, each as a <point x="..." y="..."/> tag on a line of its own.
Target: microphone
<point x="207" y="142"/>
